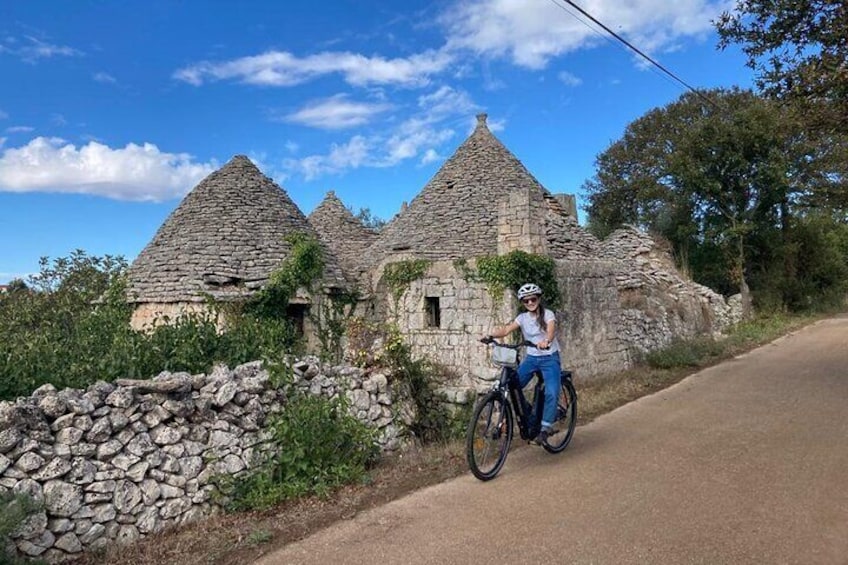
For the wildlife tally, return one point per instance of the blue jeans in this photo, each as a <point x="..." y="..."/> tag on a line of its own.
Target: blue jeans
<point x="550" y="369"/>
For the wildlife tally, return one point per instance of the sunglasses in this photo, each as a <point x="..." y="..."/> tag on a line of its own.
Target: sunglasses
<point x="530" y="299"/>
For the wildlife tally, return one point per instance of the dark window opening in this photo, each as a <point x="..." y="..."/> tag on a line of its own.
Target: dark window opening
<point x="434" y="313"/>
<point x="296" y="313"/>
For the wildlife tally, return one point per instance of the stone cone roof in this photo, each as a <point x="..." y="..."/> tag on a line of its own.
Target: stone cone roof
<point x="224" y="239"/>
<point x="456" y="214"/>
<point x="345" y="235"/>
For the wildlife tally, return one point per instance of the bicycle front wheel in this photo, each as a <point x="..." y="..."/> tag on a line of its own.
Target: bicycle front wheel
<point x="566" y="420"/>
<point x="489" y="435"/>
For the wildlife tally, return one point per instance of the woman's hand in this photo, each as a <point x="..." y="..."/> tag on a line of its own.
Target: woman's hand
<point x="544" y="344"/>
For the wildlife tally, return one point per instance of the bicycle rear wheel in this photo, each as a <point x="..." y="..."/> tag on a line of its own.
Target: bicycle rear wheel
<point x="489" y="435"/>
<point x="566" y="420"/>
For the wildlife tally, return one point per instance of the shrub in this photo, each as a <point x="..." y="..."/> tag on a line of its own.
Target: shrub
<point x="316" y="446"/>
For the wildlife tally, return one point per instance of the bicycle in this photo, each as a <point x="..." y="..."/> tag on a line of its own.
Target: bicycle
<point x="491" y="424"/>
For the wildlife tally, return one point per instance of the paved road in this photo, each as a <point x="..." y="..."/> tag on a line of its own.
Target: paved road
<point x="746" y="462"/>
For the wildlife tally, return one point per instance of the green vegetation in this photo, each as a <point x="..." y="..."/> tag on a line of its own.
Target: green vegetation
<point x="798" y="52"/>
<point x="749" y="198"/>
<point x="69" y="325"/>
<point x="415" y="379"/>
<point x="510" y="271"/>
<point x="315" y="447"/>
<point x="335" y="311"/>
<point x="704" y="351"/>
<point x="401" y="274"/>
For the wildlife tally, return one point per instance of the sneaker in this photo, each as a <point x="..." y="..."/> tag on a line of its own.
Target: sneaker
<point x="542" y="438"/>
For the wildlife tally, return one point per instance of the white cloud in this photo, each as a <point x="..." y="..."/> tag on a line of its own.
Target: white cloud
<point x="429" y="156"/>
<point x="445" y="102"/>
<point x="2" y="142"/>
<point x="291" y="146"/>
<point x="569" y="79"/>
<point x="134" y="172"/>
<point x="281" y="68"/>
<point x="105" y="78"/>
<point x="350" y="155"/>
<point x="35" y="49"/>
<point x="19" y="129"/>
<point x="417" y="137"/>
<point x="531" y="33"/>
<point x="3" y="115"/>
<point x="58" y="120"/>
<point x="336" y="112"/>
<point x="414" y="136"/>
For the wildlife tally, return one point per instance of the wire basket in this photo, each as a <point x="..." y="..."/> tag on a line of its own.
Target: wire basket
<point x="504" y="356"/>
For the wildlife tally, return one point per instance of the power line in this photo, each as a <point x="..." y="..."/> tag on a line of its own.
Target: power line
<point x="634" y="48"/>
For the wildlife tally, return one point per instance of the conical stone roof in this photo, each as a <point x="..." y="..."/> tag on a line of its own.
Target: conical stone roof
<point x="456" y="214"/>
<point x="345" y="235"/>
<point x="224" y="239"/>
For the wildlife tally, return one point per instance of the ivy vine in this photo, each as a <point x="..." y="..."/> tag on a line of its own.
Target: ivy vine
<point x="398" y="276"/>
<point x="304" y="266"/>
<point x="510" y="271"/>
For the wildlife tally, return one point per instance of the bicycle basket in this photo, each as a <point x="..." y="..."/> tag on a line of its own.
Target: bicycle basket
<point x="504" y="356"/>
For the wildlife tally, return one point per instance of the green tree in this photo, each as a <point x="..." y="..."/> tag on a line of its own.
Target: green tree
<point x="721" y="183"/>
<point x="799" y="51"/>
<point x="369" y="220"/>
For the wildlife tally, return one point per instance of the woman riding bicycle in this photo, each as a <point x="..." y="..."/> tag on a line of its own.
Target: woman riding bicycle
<point x="538" y="325"/>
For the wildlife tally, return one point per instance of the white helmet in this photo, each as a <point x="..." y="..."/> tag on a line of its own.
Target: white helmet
<point x="529" y="289"/>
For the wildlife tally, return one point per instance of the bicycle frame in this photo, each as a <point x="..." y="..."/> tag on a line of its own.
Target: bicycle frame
<point x="528" y="416"/>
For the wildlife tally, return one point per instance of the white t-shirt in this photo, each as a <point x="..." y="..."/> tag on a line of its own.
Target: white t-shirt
<point x="533" y="333"/>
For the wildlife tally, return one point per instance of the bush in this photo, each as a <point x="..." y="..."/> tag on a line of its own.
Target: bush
<point x="685" y="353"/>
<point x="70" y="326"/>
<point x="316" y="446"/>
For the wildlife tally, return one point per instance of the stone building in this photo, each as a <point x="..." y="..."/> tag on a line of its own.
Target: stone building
<point x="222" y="242"/>
<point x="343" y="234"/>
<point x="621" y="297"/>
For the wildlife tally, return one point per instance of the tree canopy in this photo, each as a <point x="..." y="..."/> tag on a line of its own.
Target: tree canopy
<point x="723" y="183"/>
<point x="799" y="50"/>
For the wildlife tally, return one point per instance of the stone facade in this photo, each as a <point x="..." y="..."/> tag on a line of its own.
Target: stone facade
<point x="612" y="314"/>
<point x="117" y="462"/>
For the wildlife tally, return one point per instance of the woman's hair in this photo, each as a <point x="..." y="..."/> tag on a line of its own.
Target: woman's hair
<point x="540" y="315"/>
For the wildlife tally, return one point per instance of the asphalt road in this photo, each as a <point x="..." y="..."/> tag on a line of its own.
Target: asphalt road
<point x="745" y="462"/>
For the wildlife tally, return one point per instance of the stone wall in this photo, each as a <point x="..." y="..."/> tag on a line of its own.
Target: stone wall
<point x="116" y="462"/>
<point x="613" y="311"/>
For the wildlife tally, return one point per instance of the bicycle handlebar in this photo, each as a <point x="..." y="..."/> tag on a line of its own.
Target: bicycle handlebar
<point x="489" y="340"/>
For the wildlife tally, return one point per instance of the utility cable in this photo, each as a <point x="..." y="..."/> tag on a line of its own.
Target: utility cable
<point x="634" y="48"/>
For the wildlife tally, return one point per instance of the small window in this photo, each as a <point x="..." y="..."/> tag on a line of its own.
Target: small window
<point x="296" y="313"/>
<point x="434" y="313"/>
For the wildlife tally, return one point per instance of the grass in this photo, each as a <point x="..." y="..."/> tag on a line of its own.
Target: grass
<point x="243" y="537"/>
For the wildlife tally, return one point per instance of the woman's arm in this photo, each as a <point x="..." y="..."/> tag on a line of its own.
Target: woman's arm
<point x="502" y="331"/>
<point x="550" y="334"/>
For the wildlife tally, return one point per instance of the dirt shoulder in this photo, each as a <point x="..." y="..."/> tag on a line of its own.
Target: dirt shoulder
<point x="244" y="537"/>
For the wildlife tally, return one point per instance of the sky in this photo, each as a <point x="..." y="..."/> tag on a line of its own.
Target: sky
<point x="111" y="112"/>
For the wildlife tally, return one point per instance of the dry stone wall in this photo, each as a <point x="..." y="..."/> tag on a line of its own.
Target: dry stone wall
<point x="119" y="461"/>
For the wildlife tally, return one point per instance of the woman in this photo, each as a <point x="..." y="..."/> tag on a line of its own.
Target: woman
<point x="538" y="325"/>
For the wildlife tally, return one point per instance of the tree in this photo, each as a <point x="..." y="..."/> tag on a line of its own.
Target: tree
<point x="369" y="220"/>
<point x="799" y="51"/>
<point x="714" y="180"/>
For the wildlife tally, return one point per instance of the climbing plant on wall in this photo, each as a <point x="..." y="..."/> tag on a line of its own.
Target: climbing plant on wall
<point x="304" y="265"/>
<point x="510" y="271"/>
<point x="398" y="276"/>
<point x="335" y="311"/>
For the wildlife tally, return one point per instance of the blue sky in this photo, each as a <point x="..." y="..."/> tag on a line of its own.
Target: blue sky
<point x="110" y="112"/>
